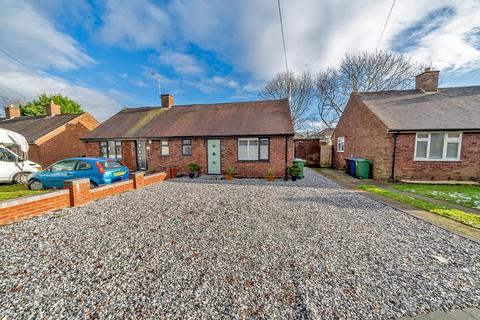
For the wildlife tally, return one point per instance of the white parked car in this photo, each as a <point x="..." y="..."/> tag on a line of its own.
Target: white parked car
<point x="15" y="169"/>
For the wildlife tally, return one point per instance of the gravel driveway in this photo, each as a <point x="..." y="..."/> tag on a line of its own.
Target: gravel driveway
<point x="251" y="249"/>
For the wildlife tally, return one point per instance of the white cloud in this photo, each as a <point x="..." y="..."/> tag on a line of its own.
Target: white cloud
<point x="246" y="34"/>
<point x="134" y="24"/>
<point x="33" y="39"/>
<point x="447" y="46"/>
<point x="183" y="64"/>
<point x="27" y="85"/>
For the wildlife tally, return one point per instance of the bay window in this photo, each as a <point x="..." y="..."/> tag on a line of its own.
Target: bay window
<point x="438" y="146"/>
<point x="111" y="149"/>
<point x="253" y="149"/>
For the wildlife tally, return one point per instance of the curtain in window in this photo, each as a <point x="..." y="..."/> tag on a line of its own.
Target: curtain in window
<point x="436" y="146"/>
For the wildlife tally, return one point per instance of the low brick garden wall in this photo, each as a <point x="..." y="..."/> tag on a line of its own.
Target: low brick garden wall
<point x="77" y="192"/>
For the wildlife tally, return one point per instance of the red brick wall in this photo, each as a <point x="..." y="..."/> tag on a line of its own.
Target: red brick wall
<point x="156" y="162"/>
<point x="365" y="136"/>
<point x="78" y="193"/>
<point x="18" y="209"/>
<point x="67" y="144"/>
<point x="309" y="150"/>
<point x="468" y="168"/>
<point x="258" y="168"/>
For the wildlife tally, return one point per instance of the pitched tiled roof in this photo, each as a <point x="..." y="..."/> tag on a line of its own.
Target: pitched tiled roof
<point x="447" y="109"/>
<point x="199" y="120"/>
<point x="34" y="127"/>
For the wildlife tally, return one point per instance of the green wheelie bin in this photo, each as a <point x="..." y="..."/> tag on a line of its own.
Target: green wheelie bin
<point x="301" y="164"/>
<point x="363" y="168"/>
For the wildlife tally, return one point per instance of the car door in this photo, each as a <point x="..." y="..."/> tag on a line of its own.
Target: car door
<point x="85" y="169"/>
<point x="59" y="172"/>
<point x="8" y="165"/>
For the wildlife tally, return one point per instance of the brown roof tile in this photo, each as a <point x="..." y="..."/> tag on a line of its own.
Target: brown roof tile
<point x="448" y="109"/>
<point x="34" y="127"/>
<point x="199" y="120"/>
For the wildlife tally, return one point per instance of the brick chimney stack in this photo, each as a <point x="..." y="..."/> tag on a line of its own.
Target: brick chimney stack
<point x="52" y="109"/>
<point x="427" y="81"/>
<point x="167" y="101"/>
<point x="12" y="112"/>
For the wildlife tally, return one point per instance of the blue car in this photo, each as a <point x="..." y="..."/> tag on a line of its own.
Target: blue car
<point x="100" y="171"/>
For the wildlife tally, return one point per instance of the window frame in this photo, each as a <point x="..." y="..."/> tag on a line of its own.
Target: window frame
<point x="161" y="147"/>
<point x="342" y="139"/>
<point x="258" y="159"/>
<point x="187" y="145"/>
<point x="446" y="140"/>
<point x="116" y="143"/>
<point x="82" y="161"/>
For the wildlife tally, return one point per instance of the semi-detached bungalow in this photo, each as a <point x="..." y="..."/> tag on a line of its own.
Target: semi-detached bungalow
<point x="250" y="136"/>
<point x="429" y="133"/>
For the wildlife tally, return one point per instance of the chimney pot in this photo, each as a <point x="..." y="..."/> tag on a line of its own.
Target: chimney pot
<point x="427" y="81"/>
<point x="52" y="109"/>
<point x="12" y="112"/>
<point x="167" y="101"/>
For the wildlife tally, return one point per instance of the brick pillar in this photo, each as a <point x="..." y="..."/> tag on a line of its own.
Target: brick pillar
<point x="79" y="191"/>
<point x="138" y="179"/>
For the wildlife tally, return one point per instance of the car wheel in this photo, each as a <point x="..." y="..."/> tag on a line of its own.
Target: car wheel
<point x="35" y="185"/>
<point x="92" y="185"/>
<point x="20" y="178"/>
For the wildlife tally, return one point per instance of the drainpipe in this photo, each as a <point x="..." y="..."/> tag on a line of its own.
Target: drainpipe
<point x="394" y="153"/>
<point x="286" y="158"/>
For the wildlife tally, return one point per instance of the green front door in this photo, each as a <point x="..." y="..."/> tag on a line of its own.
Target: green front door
<point x="213" y="156"/>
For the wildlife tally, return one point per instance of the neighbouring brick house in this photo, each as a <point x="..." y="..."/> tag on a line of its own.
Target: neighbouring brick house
<point x="51" y="137"/>
<point x="429" y="133"/>
<point x="250" y="136"/>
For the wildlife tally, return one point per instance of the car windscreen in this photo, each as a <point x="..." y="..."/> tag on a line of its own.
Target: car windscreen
<point x="112" y="164"/>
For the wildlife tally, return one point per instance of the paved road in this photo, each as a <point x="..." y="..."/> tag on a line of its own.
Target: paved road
<point x="251" y="249"/>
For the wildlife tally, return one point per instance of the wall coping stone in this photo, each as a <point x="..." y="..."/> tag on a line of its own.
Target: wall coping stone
<point x="27" y="199"/>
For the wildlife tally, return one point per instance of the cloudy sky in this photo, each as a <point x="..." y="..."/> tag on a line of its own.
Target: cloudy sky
<point x="104" y="53"/>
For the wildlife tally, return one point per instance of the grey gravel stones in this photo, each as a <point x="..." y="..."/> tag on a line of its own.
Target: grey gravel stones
<point x="242" y="249"/>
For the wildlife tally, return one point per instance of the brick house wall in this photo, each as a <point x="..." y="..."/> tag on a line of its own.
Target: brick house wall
<point x="63" y="142"/>
<point x="366" y="136"/>
<point x="468" y="168"/>
<point x="157" y="162"/>
<point x="64" y="145"/>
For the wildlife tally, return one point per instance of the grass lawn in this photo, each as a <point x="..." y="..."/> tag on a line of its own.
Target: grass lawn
<point x="12" y="191"/>
<point x="469" y="219"/>
<point x="464" y="195"/>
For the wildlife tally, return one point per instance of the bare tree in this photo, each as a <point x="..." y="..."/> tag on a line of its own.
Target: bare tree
<point x="361" y="72"/>
<point x="301" y="89"/>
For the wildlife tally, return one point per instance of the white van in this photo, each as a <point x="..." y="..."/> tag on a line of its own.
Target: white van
<point x="13" y="168"/>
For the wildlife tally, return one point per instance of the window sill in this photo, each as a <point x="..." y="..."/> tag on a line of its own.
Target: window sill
<point x="253" y="160"/>
<point x="437" y="160"/>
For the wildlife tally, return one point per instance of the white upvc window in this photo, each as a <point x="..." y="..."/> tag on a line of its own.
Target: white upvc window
<point x="340" y="144"/>
<point x="438" y="146"/>
<point x="253" y="149"/>
<point x="164" y="148"/>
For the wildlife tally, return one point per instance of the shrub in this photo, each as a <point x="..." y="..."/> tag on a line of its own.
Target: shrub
<point x="230" y="170"/>
<point x="194" y="167"/>
<point x="294" y="170"/>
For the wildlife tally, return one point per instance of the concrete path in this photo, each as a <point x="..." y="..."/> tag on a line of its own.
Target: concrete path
<point x="457" y="314"/>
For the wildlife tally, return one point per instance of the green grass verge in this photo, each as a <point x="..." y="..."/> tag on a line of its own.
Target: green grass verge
<point x="470" y="219"/>
<point x="13" y="191"/>
<point x="464" y="195"/>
